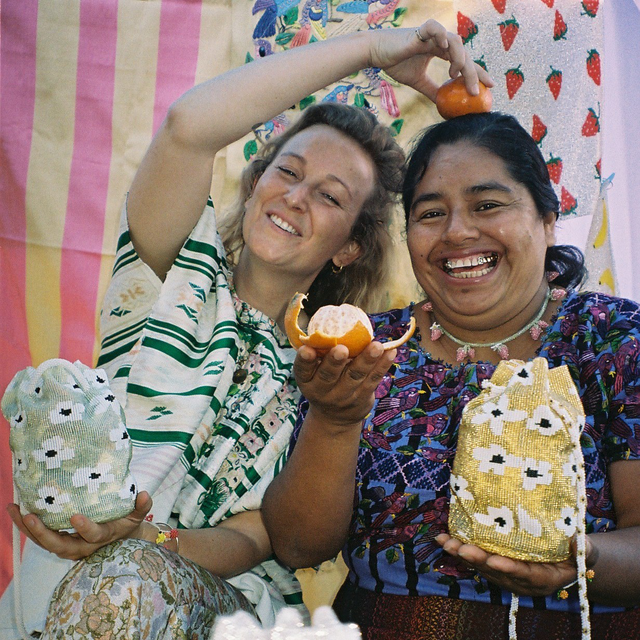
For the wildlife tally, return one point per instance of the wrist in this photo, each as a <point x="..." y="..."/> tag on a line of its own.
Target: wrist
<point x="331" y="425"/>
<point x="166" y="536"/>
<point x="144" y="531"/>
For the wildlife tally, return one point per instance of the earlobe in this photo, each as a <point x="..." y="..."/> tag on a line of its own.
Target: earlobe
<point x="349" y="253"/>
<point x="550" y="228"/>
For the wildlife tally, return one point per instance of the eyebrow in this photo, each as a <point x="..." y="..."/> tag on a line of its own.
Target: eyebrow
<point x="329" y="176"/>
<point x="473" y="190"/>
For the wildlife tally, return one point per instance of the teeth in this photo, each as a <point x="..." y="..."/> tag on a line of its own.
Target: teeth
<point x="471" y="274"/>
<point x="281" y="224"/>
<point x="471" y="261"/>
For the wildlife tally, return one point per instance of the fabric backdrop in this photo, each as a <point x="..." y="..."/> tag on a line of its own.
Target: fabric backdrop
<point x="85" y="83"/>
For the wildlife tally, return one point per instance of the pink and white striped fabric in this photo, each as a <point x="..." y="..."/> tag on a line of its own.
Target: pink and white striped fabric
<point x="83" y="85"/>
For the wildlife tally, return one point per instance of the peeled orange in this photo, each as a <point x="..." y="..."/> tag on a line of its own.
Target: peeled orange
<point x="453" y="99"/>
<point x="332" y="325"/>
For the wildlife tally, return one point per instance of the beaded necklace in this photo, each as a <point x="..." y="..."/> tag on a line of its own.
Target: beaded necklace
<point x="468" y="349"/>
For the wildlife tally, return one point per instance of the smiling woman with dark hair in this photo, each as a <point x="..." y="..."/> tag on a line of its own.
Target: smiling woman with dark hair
<point x="481" y="215"/>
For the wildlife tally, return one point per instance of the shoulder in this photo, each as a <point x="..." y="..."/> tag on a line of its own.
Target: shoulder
<point x="591" y="301"/>
<point x="594" y="326"/>
<point x="600" y="308"/>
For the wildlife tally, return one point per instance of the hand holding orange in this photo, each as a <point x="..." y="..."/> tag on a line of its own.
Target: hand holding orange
<point x="453" y="99"/>
<point x="332" y="325"/>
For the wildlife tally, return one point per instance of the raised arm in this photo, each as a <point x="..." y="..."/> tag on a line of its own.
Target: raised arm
<point x="171" y="186"/>
<point x="307" y="508"/>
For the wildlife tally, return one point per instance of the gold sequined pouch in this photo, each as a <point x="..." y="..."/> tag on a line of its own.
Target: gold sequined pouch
<point x="517" y="483"/>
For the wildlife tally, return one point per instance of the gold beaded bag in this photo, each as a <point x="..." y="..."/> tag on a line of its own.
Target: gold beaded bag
<point x="517" y="483"/>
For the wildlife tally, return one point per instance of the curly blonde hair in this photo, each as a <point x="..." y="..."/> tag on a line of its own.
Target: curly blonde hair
<point x="359" y="282"/>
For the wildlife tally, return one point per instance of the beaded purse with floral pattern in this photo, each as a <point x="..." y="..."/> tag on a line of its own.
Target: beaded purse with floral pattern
<point x="71" y="449"/>
<point x="517" y="483"/>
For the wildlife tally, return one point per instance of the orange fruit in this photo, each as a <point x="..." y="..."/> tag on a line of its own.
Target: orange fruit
<point x="331" y="325"/>
<point x="453" y="99"/>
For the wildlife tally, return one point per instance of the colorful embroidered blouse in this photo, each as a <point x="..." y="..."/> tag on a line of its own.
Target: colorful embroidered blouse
<point x="409" y="441"/>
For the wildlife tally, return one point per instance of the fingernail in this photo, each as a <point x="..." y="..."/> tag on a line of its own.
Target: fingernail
<point x="306" y="355"/>
<point x="464" y="555"/>
<point x="475" y="90"/>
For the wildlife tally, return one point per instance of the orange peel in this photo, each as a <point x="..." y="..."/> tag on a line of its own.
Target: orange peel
<point x="333" y="325"/>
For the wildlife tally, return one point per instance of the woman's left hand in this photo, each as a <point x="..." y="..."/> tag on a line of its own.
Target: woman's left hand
<point x="521" y="578"/>
<point x="89" y="535"/>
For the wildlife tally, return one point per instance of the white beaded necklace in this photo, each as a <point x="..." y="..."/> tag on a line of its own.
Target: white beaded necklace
<point x="468" y="349"/>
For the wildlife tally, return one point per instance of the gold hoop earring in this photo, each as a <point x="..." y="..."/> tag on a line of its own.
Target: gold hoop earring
<point x="336" y="268"/>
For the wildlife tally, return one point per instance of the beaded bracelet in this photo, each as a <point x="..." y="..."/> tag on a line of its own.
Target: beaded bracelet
<point x="166" y="533"/>
<point x="563" y="594"/>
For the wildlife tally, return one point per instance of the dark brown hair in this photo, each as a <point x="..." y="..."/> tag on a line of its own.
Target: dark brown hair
<point x="502" y="135"/>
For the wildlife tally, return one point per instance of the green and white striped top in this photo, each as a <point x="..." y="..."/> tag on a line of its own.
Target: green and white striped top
<point x="206" y="383"/>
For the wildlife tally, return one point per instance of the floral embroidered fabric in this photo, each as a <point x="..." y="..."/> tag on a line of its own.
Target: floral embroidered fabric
<point x="409" y="441"/>
<point x="136" y="589"/>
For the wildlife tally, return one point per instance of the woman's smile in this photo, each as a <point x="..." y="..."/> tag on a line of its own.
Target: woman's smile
<point x="283" y="224"/>
<point x="473" y="266"/>
<point x="306" y="202"/>
<point x="476" y="240"/>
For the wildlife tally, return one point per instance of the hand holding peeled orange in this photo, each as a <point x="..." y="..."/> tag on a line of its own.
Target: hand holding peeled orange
<point x="454" y="100"/>
<point x="331" y="325"/>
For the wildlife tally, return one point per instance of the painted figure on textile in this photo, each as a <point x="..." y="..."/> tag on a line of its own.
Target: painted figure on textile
<point x="286" y="24"/>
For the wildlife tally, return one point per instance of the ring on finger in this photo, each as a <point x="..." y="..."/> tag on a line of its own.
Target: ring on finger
<point x="420" y="36"/>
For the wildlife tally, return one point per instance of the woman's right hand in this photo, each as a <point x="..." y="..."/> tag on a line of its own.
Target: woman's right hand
<point x="405" y="57"/>
<point x="341" y="391"/>
<point x="89" y="535"/>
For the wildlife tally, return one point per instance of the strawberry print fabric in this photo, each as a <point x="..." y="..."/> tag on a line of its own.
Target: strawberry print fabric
<point x="545" y="57"/>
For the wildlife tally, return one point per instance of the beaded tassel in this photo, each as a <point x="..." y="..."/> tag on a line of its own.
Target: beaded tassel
<point x="537" y="329"/>
<point x="465" y="352"/>
<point x="502" y="350"/>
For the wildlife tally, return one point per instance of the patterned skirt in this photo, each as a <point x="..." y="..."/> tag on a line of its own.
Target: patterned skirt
<point x="137" y="589"/>
<point x="389" y="617"/>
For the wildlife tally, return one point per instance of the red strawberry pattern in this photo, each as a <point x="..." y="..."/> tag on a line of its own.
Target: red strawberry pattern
<point x="568" y="203"/>
<point x="515" y="79"/>
<point x="539" y="129"/>
<point x="559" y="27"/>
<point x="554" y="82"/>
<point x="554" y="165"/>
<point x="593" y="66"/>
<point x="561" y="97"/>
<point x="467" y="28"/>
<point x="598" y="165"/>
<point x="591" y="124"/>
<point x="508" y="32"/>
<point x="590" y="8"/>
